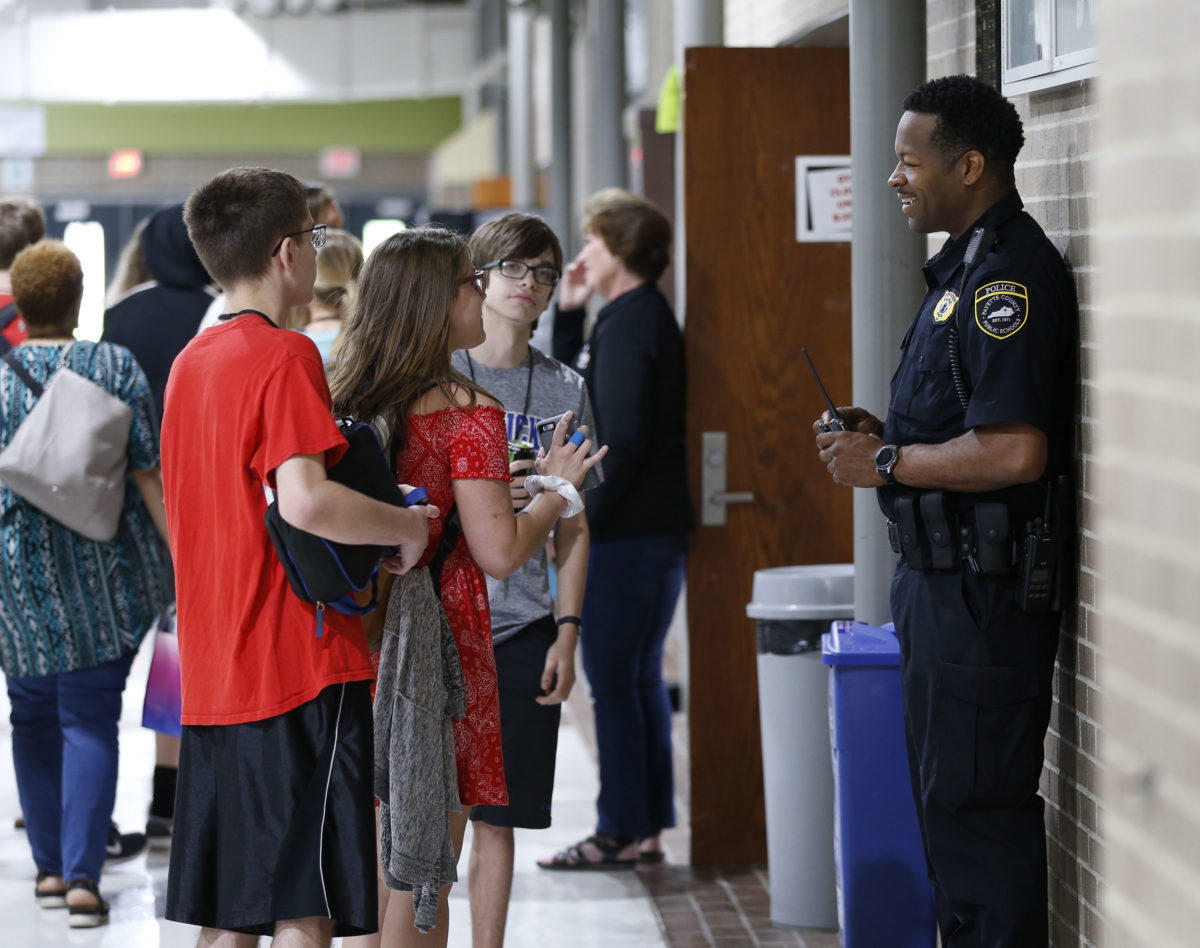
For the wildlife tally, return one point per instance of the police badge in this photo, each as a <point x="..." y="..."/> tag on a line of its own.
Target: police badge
<point x="945" y="307"/>
<point x="1001" y="308"/>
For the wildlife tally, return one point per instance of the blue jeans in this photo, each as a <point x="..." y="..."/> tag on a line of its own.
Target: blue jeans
<point x="632" y="589"/>
<point x="65" y="756"/>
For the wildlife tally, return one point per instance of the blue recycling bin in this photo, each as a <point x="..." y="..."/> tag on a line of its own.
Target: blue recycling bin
<point x="883" y="891"/>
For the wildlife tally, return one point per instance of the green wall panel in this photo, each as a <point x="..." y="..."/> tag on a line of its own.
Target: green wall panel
<point x="396" y="125"/>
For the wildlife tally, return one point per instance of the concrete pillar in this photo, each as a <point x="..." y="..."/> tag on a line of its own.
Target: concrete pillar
<point x="697" y="23"/>
<point x="560" y="212"/>
<point x="887" y="61"/>
<point x="520" y="105"/>
<point x="611" y="165"/>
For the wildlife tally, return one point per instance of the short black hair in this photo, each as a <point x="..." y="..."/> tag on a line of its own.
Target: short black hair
<point x="970" y="115"/>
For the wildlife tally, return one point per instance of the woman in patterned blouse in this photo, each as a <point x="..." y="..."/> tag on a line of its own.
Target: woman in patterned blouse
<point x="73" y="610"/>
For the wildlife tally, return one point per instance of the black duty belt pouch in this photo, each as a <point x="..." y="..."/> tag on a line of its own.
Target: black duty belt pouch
<point x="915" y="552"/>
<point x="319" y="570"/>
<point x="993" y="543"/>
<point x="941" y="529"/>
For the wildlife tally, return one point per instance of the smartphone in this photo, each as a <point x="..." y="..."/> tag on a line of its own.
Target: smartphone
<point x="545" y="430"/>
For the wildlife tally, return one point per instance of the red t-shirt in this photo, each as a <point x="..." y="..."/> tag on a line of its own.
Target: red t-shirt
<point x="242" y="398"/>
<point x="16" y="332"/>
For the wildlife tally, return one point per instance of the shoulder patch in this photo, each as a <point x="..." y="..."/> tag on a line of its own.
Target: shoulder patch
<point x="1001" y="308"/>
<point x="945" y="307"/>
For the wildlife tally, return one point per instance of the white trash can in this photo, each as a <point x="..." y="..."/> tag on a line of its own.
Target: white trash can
<point x="792" y="606"/>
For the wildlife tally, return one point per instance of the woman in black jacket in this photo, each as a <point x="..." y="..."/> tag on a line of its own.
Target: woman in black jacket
<point x="639" y="516"/>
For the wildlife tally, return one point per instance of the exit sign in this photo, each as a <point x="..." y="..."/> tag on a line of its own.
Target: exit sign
<point x="340" y="162"/>
<point x="125" y="163"/>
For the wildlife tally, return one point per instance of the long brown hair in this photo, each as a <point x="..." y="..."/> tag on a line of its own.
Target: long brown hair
<point x="394" y="346"/>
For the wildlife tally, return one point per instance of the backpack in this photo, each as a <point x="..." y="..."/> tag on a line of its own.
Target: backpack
<point x="321" y="571"/>
<point x="326" y="573"/>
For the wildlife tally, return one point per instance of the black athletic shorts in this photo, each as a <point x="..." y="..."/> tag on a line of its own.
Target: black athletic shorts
<point x="275" y="819"/>
<point x="528" y="730"/>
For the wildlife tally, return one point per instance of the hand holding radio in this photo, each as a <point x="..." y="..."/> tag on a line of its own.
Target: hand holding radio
<point x="850" y="457"/>
<point x="849" y="418"/>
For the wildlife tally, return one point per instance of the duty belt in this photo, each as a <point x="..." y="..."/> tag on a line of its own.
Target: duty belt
<point x="928" y="535"/>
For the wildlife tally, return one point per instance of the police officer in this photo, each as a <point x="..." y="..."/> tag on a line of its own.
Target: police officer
<point x="978" y="429"/>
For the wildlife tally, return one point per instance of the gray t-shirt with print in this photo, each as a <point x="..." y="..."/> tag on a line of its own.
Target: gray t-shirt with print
<point x="552" y="389"/>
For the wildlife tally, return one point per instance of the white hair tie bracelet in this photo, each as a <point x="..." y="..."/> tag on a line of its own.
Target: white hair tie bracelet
<point x="536" y="483"/>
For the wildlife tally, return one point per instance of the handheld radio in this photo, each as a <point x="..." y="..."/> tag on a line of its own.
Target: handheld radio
<point x="835" y="422"/>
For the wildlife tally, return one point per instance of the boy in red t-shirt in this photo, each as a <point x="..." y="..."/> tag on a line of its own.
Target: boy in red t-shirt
<point x="274" y="824"/>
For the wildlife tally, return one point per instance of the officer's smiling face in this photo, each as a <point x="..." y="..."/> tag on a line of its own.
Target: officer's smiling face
<point x="931" y="196"/>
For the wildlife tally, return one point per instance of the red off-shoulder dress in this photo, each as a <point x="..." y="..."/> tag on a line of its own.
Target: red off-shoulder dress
<point x="442" y="446"/>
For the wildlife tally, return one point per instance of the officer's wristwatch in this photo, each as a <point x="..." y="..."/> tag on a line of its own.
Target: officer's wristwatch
<point x="885" y="459"/>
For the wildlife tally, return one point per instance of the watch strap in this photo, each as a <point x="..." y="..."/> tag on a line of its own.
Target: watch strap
<point x="884" y="468"/>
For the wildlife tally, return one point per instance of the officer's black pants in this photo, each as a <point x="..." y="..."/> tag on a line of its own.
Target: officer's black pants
<point x="976" y="675"/>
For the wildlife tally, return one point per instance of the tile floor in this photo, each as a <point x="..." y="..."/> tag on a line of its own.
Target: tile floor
<point x="584" y="910"/>
<point x="669" y="904"/>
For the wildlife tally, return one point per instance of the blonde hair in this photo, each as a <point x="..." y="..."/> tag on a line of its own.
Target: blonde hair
<point x="394" y="346"/>
<point x="131" y="265"/>
<point x="338" y="266"/>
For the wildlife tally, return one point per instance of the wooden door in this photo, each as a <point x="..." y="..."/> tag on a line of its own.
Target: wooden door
<point x="755" y="296"/>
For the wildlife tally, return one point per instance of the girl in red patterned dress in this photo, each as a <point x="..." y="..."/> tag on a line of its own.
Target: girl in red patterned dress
<point x="420" y="298"/>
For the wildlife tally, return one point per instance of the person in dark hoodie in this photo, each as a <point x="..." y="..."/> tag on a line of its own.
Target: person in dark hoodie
<point x="155" y="323"/>
<point x="158" y="321"/>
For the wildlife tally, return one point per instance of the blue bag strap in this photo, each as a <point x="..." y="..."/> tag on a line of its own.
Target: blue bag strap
<point x="23" y="373"/>
<point x="347" y="605"/>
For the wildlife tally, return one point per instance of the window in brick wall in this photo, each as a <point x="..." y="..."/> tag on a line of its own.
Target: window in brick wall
<point x="1046" y="43"/>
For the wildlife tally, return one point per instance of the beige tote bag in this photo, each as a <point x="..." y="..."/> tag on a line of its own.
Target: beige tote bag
<point x="68" y="456"/>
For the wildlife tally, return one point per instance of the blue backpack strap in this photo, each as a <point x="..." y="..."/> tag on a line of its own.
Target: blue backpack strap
<point x="348" y="606"/>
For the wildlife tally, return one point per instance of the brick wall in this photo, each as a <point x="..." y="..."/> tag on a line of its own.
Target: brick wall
<point x="950" y="37"/>
<point x="1054" y="176"/>
<point x="1148" y="393"/>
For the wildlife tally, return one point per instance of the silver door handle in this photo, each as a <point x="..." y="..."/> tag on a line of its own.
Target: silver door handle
<point x="731" y="497"/>
<point x="714" y="496"/>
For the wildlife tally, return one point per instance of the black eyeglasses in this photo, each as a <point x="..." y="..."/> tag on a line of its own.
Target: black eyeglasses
<point x="543" y="273"/>
<point x="477" y="279"/>
<point x="318" y="237"/>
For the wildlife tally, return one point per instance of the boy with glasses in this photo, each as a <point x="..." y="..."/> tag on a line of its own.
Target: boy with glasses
<point x="274" y="825"/>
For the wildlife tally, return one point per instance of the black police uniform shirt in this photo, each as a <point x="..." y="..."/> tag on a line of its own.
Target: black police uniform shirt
<point x="1016" y="322"/>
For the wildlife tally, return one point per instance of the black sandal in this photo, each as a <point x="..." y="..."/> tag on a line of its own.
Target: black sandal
<point x="573" y="858"/>
<point x="86" y="916"/>
<point x="49" y="898"/>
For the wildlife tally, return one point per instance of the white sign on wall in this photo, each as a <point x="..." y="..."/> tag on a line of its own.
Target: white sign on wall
<point x="22" y="131"/>
<point x="824" y="198"/>
<point x="17" y="175"/>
